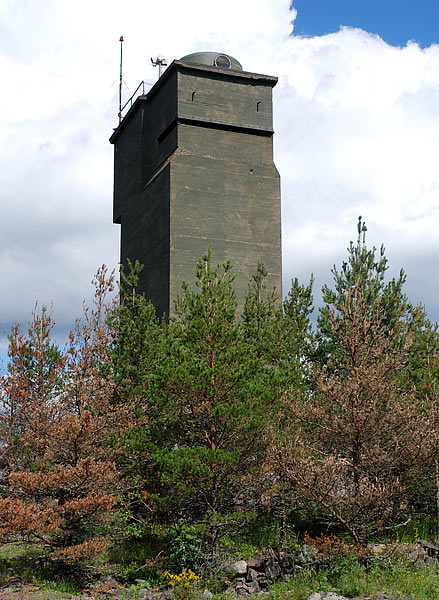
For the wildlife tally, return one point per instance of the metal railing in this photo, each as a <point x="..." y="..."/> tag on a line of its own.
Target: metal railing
<point x="137" y="93"/>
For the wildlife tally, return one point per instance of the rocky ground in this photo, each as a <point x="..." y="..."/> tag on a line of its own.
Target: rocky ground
<point x="31" y="592"/>
<point x="244" y="579"/>
<point x="111" y="590"/>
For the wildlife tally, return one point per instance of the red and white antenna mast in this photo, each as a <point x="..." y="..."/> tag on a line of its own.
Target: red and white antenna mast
<point x="120" y="80"/>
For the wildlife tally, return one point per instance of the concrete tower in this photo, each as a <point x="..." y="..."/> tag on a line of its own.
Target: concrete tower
<point x="193" y="166"/>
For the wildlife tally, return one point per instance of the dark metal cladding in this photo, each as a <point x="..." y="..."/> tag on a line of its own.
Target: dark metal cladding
<point x="194" y="166"/>
<point x="214" y="59"/>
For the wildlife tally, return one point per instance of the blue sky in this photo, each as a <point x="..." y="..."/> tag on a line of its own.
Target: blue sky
<point x="396" y="21"/>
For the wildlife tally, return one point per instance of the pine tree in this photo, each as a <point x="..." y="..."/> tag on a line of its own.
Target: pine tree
<point x="281" y="332"/>
<point x="351" y="446"/>
<point x="212" y="404"/>
<point x="282" y="336"/>
<point x="36" y="376"/>
<point x="421" y="375"/>
<point x="365" y="272"/>
<point x="137" y="333"/>
<point x="61" y="478"/>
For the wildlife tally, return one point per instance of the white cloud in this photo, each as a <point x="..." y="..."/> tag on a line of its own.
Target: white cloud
<point x="356" y="125"/>
<point x="357" y="134"/>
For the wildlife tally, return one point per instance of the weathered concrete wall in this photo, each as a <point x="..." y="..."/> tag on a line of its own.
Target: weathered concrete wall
<point x="193" y="167"/>
<point x="159" y="139"/>
<point x="127" y="166"/>
<point x="230" y="100"/>
<point x="224" y="192"/>
<point x="145" y="237"/>
<point x="142" y="191"/>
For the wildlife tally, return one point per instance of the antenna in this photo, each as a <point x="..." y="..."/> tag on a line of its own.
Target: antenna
<point x="120" y="81"/>
<point x="159" y="62"/>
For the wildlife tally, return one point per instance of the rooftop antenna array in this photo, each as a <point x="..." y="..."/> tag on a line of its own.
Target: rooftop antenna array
<point x="159" y="62"/>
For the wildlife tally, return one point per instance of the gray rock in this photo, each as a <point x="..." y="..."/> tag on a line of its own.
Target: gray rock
<point x="12" y="584"/>
<point x="272" y="567"/>
<point x="377" y="549"/>
<point x="253" y="587"/>
<point x="252" y="575"/>
<point x="239" y="567"/>
<point x="307" y="555"/>
<point x="418" y="556"/>
<point x="431" y="549"/>
<point x="326" y="596"/>
<point x="256" y="563"/>
<point x="241" y="590"/>
<point x="287" y="562"/>
<point x="264" y="583"/>
<point x="207" y="594"/>
<point x="12" y="588"/>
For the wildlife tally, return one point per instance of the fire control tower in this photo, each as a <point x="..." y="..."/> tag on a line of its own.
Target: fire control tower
<point x="193" y="166"/>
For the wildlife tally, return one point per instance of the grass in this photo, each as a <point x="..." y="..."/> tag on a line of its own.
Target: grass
<point x="354" y="581"/>
<point x="347" y="575"/>
<point x="67" y="586"/>
<point x="25" y="562"/>
<point x="422" y="528"/>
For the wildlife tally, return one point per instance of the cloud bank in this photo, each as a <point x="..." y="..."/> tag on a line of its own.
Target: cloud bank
<point x="356" y="124"/>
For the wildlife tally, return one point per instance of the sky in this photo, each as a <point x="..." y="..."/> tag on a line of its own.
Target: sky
<point x="395" y="21"/>
<point x="355" y="115"/>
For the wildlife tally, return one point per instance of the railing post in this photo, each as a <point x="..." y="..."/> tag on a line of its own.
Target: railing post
<point x="130" y="100"/>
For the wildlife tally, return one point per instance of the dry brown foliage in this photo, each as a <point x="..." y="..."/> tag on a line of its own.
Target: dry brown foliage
<point x="333" y="547"/>
<point x="59" y="472"/>
<point x="355" y="445"/>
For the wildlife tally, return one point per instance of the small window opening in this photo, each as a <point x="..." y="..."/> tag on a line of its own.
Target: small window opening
<point x="258" y="105"/>
<point x="193" y="96"/>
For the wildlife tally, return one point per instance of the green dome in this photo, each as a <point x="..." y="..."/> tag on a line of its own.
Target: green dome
<point x="213" y="59"/>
